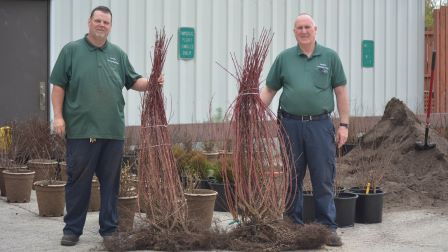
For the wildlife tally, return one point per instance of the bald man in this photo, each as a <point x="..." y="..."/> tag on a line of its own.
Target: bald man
<point x="309" y="75"/>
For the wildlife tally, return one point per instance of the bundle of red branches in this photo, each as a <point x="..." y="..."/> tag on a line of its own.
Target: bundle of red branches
<point x="159" y="183"/>
<point x="261" y="172"/>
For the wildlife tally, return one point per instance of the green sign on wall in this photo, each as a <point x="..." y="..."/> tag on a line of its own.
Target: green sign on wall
<point x="368" y="52"/>
<point x="186" y="42"/>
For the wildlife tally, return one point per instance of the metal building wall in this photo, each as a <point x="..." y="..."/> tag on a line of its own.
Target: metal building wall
<point x="224" y="26"/>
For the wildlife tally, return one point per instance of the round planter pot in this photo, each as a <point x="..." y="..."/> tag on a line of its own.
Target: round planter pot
<point x="369" y="207"/>
<point x="345" y="149"/>
<point x="126" y="206"/>
<point x="308" y="214"/>
<point x="202" y="184"/>
<point x="63" y="171"/>
<point x="221" y="200"/>
<point x="223" y="156"/>
<point x="44" y="168"/>
<point x="200" y="204"/>
<point x="95" y="198"/>
<point x="18" y="183"/>
<point x="357" y="189"/>
<point x="2" y="182"/>
<point x="211" y="156"/>
<point x="345" y="203"/>
<point x="50" y="197"/>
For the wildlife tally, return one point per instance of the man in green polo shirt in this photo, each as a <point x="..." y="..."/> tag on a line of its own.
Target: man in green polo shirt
<point x="88" y="78"/>
<point x="309" y="74"/>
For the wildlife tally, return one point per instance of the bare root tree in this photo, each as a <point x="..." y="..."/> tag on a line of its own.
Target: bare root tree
<point x="159" y="183"/>
<point x="261" y="171"/>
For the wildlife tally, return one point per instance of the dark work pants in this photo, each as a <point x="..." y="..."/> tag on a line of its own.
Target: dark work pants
<point x="312" y="144"/>
<point x="102" y="157"/>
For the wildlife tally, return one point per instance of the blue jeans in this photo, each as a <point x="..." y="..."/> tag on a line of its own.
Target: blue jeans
<point x="84" y="158"/>
<point x="312" y="144"/>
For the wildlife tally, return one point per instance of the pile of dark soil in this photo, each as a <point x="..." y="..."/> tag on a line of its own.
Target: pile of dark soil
<point x="277" y="236"/>
<point x="387" y="154"/>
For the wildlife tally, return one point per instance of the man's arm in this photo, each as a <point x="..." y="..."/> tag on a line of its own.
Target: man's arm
<point x="57" y="99"/>
<point x="267" y="94"/>
<point x="140" y="84"/>
<point x="344" y="113"/>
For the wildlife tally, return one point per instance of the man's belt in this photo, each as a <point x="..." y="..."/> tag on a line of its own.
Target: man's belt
<point x="304" y="117"/>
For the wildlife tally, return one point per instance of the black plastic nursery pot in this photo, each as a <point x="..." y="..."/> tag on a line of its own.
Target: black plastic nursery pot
<point x="345" y="149"/>
<point x="221" y="201"/>
<point x="357" y="189"/>
<point x="345" y="203"/>
<point x="369" y="207"/>
<point x="203" y="184"/>
<point x="308" y="215"/>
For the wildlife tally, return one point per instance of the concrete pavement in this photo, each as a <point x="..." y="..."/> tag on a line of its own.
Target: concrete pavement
<point x="405" y="230"/>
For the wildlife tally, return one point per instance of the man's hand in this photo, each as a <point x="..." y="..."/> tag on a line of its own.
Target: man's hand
<point x="161" y="79"/>
<point x="59" y="126"/>
<point x="341" y="136"/>
<point x="141" y="84"/>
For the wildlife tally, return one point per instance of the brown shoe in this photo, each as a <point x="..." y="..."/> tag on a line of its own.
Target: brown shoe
<point x="333" y="239"/>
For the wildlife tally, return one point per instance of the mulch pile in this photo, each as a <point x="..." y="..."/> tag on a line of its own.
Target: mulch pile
<point x="409" y="177"/>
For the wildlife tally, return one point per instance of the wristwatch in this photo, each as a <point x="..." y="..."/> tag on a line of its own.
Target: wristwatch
<point x="343" y="125"/>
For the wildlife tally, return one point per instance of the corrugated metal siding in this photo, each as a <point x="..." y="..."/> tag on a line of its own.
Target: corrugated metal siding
<point x="224" y="26"/>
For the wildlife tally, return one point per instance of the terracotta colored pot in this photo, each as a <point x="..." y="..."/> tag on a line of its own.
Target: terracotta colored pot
<point x="127" y="206"/>
<point x="44" y="168"/>
<point x="200" y="204"/>
<point x="18" y="183"/>
<point x="2" y="182"/>
<point x="50" y="197"/>
<point x="63" y="171"/>
<point x="95" y="198"/>
<point x="212" y="156"/>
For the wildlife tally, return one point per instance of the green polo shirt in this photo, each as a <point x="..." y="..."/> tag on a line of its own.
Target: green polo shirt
<point x="307" y="83"/>
<point x="93" y="79"/>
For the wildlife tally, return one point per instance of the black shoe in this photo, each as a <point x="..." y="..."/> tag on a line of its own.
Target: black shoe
<point x="333" y="239"/>
<point x="69" y="240"/>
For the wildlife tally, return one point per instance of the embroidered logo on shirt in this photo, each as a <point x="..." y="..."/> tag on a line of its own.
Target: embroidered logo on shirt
<point x="113" y="60"/>
<point x="323" y="68"/>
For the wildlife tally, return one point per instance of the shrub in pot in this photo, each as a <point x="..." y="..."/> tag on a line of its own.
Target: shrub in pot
<point x="209" y="151"/>
<point x="369" y="205"/>
<point x="193" y="166"/>
<point x="50" y="193"/>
